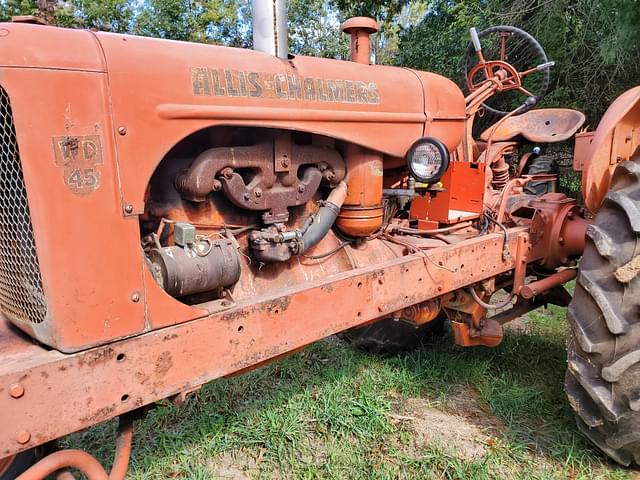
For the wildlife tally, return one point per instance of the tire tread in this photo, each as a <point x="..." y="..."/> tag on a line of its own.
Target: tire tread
<point x="603" y="375"/>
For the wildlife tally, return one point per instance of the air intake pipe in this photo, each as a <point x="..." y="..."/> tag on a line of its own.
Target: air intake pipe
<point x="362" y="212"/>
<point x="318" y="225"/>
<point x="360" y="28"/>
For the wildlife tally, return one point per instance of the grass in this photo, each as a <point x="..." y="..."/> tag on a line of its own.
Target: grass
<point x="331" y="412"/>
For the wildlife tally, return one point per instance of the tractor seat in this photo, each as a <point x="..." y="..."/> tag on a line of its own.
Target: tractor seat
<point x="546" y="125"/>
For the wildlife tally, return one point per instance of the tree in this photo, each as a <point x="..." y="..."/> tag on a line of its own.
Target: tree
<point x="593" y="63"/>
<point x="624" y="41"/>
<point x="172" y="19"/>
<point x="225" y="22"/>
<point x="314" y="29"/>
<point x="11" y="8"/>
<point x="382" y="10"/>
<point x="105" y="15"/>
<point x="593" y="42"/>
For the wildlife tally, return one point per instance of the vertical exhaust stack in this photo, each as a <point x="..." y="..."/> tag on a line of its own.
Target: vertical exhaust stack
<point x="269" y="19"/>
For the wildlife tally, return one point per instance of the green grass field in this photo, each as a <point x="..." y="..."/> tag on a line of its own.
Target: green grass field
<point x="331" y="412"/>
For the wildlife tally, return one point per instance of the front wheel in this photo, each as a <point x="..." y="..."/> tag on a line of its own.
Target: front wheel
<point x="603" y="374"/>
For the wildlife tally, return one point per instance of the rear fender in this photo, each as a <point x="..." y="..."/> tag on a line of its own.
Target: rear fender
<point x="615" y="140"/>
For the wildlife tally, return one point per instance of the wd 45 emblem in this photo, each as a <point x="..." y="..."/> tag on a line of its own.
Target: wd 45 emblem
<point x="80" y="158"/>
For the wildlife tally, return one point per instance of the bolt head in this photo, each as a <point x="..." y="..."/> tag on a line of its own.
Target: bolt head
<point x="284" y="162"/>
<point x="135" y="297"/>
<point x="23" y="437"/>
<point x="128" y="208"/>
<point x="301" y="188"/>
<point x="122" y="130"/>
<point x="257" y="192"/>
<point x="16" y="390"/>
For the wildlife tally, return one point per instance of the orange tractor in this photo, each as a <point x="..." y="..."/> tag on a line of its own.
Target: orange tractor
<point x="172" y="213"/>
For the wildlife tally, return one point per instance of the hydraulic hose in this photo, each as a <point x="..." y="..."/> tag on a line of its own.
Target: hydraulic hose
<point x="489" y="306"/>
<point x="85" y="463"/>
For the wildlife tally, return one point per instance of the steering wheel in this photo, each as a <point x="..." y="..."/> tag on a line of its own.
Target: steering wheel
<point x="513" y="55"/>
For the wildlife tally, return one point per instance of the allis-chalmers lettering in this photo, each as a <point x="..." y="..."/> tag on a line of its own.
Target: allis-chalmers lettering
<point x="235" y="83"/>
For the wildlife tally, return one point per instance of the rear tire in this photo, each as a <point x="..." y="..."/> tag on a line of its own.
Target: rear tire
<point x="390" y="336"/>
<point x="603" y="375"/>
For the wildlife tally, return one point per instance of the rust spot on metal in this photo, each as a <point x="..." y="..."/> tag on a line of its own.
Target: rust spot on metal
<point x="99" y="415"/>
<point x="163" y="364"/>
<point x="327" y="288"/>
<point x="142" y="377"/>
<point x="277" y="306"/>
<point x="236" y="315"/>
<point x="96" y="358"/>
<point x="262" y="356"/>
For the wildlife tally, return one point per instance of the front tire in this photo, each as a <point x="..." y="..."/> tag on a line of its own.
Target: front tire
<point x="603" y="375"/>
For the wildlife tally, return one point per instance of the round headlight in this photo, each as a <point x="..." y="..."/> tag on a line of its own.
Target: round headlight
<point x="428" y="159"/>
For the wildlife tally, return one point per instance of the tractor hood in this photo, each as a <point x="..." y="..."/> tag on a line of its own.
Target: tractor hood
<point x="162" y="91"/>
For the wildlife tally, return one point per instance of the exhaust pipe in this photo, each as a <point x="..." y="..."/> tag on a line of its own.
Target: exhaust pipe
<point x="269" y="20"/>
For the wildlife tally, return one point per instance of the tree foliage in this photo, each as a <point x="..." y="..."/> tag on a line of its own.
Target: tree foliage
<point x="588" y="39"/>
<point x="12" y="8"/>
<point x="314" y="29"/>
<point x="595" y="43"/>
<point x="214" y="21"/>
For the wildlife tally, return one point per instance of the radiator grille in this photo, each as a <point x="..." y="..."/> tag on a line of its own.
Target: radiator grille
<point x="21" y="294"/>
